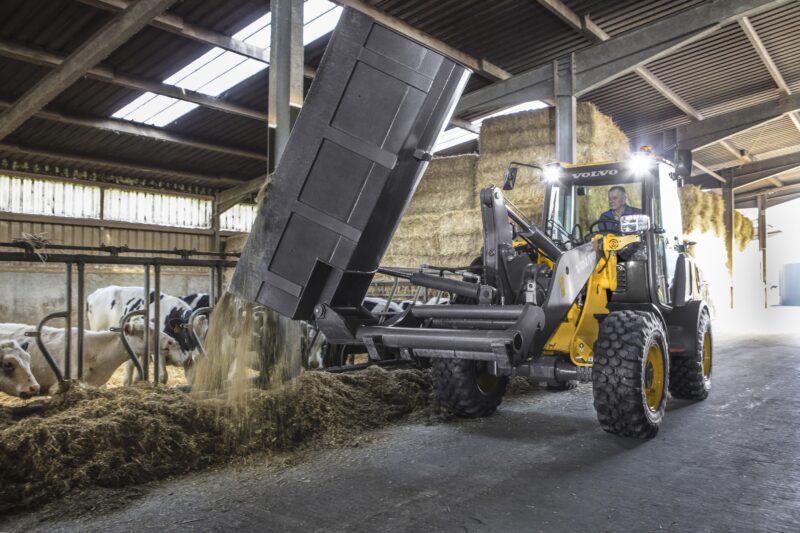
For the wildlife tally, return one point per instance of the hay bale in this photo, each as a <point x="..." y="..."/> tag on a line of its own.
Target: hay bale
<point x="530" y="137"/>
<point x="447" y="185"/>
<point x="446" y="238"/>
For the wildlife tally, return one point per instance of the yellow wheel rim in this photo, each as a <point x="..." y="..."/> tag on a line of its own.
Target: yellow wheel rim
<point x="654" y="378"/>
<point x="707" y="356"/>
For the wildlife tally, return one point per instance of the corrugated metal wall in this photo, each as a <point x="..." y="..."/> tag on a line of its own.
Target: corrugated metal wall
<point x="78" y="234"/>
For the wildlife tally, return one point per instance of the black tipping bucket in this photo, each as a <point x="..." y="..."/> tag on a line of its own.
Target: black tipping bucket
<point x="352" y="163"/>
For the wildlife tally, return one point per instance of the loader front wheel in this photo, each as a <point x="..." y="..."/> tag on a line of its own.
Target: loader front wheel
<point x="466" y="387"/>
<point x="630" y="374"/>
<point x="690" y="377"/>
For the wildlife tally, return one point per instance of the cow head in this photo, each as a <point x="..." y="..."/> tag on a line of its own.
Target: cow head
<point x="183" y="347"/>
<point x="16" y="377"/>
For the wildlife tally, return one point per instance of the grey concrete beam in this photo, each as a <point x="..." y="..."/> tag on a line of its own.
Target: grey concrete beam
<point x="713" y="129"/>
<point x="99" y="46"/>
<point x="608" y="60"/>
<point x="203" y="179"/>
<point x="285" y="73"/>
<point x="230" y="197"/>
<point x="141" y="130"/>
<point x="566" y="111"/>
<point x="108" y="75"/>
<point x="765" y="169"/>
<point x="708" y="172"/>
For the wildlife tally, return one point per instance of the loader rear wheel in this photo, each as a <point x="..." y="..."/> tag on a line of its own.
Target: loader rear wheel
<point x="466" y="387"/>
<point x="690" y="377"/>
<point x="630" y="374"/>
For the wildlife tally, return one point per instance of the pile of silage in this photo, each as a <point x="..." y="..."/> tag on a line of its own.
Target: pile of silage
<point x="442" y="225"/>
<point x="125" y="436"/>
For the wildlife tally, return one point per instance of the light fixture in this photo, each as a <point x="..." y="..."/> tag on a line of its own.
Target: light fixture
<point x="552" y="172"/>
<point x="640" y="163"/>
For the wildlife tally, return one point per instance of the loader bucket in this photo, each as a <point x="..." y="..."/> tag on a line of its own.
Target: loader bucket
<point x="351" y="165"/>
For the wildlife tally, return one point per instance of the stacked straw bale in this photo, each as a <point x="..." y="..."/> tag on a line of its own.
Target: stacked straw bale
<point x="442" y="225"/>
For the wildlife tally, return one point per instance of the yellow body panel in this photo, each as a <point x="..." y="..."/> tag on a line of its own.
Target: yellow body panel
<point x="576" y="335"/>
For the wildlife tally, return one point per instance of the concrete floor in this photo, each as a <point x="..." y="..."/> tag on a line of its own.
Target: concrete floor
<point x="731" y="463"/>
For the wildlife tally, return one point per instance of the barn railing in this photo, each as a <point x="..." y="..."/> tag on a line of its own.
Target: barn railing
<point x="40" y="253"/>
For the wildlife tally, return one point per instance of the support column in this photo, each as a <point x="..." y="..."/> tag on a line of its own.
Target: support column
<point x="566" y="109"/>
<point x="761" y="202"/>
<point x="285" y="73"/>
<point x="728" y="214"/>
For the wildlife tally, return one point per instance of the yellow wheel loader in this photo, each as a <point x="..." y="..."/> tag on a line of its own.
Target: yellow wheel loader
<point x="594" y="292"/>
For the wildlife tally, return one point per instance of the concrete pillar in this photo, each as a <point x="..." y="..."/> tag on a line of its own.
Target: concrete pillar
<point x="761" y="202"/>
<point x="566" y="103"/>
<point x="728" y="199"/>
<point x="285" y="73"/>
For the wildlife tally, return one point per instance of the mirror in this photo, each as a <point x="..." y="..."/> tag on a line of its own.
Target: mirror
<point x="629" y="224"/>
<point x="683" y="164"/>
<point x="510" y="178"/>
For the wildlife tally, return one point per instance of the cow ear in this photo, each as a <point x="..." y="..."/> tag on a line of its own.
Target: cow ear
<point x="24" y="345"/>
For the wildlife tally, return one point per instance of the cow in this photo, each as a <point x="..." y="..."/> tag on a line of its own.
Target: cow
<point x="16" y="378"/>
<point x="103" y="351"/>
<point x="196" y="300"/>
<point x="107" y="306"/>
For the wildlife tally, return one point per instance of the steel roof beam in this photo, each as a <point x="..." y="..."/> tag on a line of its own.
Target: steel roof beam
<point x="608" y="60"/>
<point x="766" y="58"/>
<point x="96" y="48"/>
<point x="108" y="75"/>
<point x="713" y="129"/>
<point x="177" y="25"/>
<point x="203" y="179"/>
<point x="141" y="130"/>
<point x="709" y="172"/>
<point x="597" y="34"/>
<point x="758" y="170"/>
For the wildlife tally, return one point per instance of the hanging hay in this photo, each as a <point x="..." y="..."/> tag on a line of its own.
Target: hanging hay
<point x="705" y="212"/>
<point x="447" y="185"/>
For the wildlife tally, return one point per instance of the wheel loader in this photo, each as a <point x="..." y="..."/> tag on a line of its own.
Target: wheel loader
<point x="578" y="297"/>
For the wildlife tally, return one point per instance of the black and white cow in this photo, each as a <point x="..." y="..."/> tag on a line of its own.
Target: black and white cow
<point x="107" y="306"/>
<point x="196" y="300"/>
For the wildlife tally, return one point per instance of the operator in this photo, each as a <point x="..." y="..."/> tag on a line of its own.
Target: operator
<point x="617" y="207"/>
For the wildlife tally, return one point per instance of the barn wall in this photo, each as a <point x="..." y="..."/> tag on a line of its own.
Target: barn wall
<point x="29" y="291"/>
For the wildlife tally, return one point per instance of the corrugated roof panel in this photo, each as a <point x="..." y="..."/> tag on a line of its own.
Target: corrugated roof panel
<point x="635" y="106"/>
<point x="770" y="138"/>
<point x="715" y="157"/>
<point x="779" y="30"/>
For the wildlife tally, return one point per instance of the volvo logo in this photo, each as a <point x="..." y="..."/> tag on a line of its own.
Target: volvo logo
<point x="596" y="173"/>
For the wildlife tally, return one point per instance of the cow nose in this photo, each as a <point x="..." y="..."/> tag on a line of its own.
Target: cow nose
<point x="33" y="389"/>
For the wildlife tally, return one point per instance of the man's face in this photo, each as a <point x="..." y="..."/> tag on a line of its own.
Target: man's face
<point x="616" y="199"/>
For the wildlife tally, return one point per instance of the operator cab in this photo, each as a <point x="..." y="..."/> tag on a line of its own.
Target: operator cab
<point x="639" y="195"/>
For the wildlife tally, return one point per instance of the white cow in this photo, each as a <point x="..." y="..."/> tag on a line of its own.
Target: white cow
<point x="106" y="306"/>
<point x="103" y="351"/>
<point x="16" y="378"/>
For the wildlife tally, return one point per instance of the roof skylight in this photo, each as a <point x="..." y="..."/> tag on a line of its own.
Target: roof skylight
<point x="218" y="70"/>
<point x="456" y="136"/>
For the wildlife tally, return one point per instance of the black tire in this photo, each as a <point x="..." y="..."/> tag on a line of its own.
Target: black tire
<point x="466" y="388"/>
<point x="690" y="377"/>
<point x="630" y="374"/>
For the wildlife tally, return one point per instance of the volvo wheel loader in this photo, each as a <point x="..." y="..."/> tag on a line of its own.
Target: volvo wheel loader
<point x="580" y="296"/>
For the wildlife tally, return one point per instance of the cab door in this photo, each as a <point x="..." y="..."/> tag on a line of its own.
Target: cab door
<point x="669" y="229"/>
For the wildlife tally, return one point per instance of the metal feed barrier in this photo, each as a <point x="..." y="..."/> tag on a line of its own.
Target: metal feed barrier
<point x="78" y="262"/>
